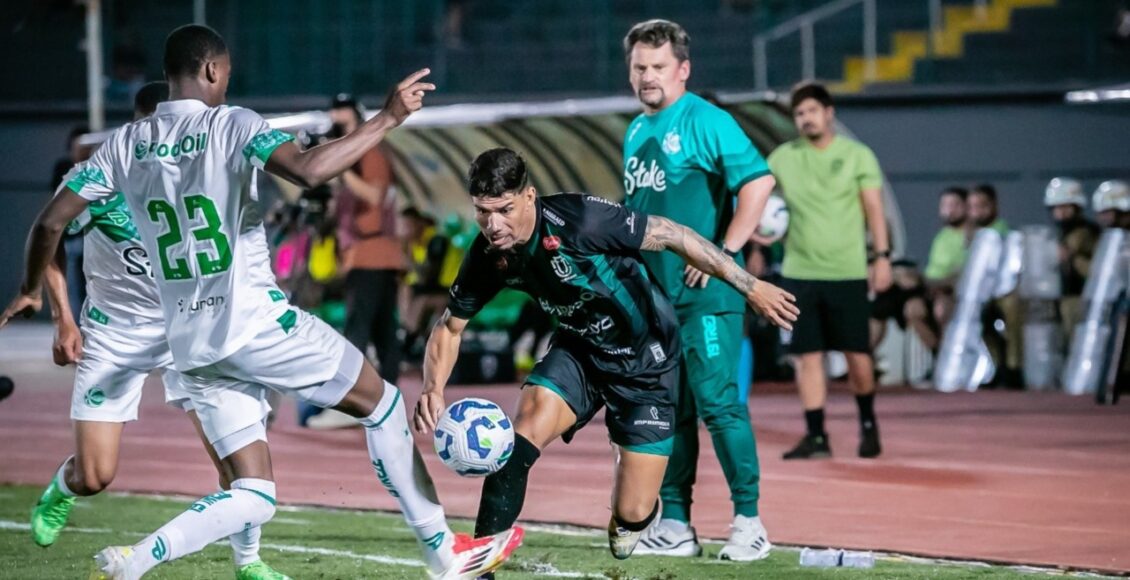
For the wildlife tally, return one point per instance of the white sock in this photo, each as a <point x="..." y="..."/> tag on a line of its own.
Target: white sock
<point x="61" y="478"/>
<point x="251" y="502"/>
<point x="245" y="544"/>
<point x="401" y="470"/>
<point x="675" y="525"/>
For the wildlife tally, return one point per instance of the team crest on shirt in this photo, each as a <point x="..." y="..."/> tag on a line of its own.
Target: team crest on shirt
<point x="672" y="143"/>
<point x="551" y="243"/>
<point x="837" y="165"/>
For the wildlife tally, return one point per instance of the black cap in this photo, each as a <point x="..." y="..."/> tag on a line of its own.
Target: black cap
<point x="343" y="100"/>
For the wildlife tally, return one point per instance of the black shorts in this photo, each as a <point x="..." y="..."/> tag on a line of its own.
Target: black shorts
<point x="833" y="316"/>
<point x="641" y="411"/>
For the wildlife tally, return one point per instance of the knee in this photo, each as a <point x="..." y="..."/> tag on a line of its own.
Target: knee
<point x="94" y="476"/>
<point x="634" y="508"/>
<point x="914" y="310"/>
<point x="722" y="417"/>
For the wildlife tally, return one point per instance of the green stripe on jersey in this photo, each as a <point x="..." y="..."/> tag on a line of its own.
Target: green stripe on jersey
<point x="259" y="150"/>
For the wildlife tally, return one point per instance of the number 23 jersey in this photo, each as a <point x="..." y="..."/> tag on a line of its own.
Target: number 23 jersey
<point x="187" y="173"/>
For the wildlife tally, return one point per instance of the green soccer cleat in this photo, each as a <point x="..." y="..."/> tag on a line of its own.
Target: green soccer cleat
<point x="50" y="515"/>
<point x="258" y="571"/>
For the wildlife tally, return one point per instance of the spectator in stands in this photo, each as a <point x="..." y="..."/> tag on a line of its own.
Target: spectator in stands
<point x="1111" y="204"/>
<point x="1078" y="239"/>
<point x="370" y="249"/>
<point x="948" y="252"/>
<point x="423" y="296"/>
<point x="72" y="244"/>
<point x="908" y="303"/>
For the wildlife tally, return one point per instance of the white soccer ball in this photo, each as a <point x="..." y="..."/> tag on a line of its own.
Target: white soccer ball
<point x="774" y="220"/>
<point x="474" y="437"/>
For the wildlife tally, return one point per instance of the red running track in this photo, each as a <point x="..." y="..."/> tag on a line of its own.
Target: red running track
<point x="1030" y="478"/>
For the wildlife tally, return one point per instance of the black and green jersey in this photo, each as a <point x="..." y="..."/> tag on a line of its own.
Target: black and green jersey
<point x="583" y="266"/>
<point x="687" y="163"/>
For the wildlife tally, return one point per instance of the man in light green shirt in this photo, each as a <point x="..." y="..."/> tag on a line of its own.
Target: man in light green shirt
<point x="832" y="186"/>
<point x="948" y="252"/>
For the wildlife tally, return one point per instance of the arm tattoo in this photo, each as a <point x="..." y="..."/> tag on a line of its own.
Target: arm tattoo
<point x="664" y="234"/>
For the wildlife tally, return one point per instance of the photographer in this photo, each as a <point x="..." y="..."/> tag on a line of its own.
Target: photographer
<point x="372" y="259"/>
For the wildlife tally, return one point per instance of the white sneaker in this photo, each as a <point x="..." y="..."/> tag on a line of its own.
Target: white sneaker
<point x="113" y="564"/>
<point x="621" y="541"/>
<point x="668" y="537"/>
<point x="748" y="541"/>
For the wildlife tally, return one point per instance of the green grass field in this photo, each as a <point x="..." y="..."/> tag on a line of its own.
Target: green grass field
<point x="325" y="544"/>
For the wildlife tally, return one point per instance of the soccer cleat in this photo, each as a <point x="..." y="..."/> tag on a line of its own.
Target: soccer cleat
<point x="869" y="445"/>
<point x="621" y="541"/>
<point x="257" y="570"/>
<point x="664" y="539"/>
<point x="810" y="447"/>
<point x="113" y="564"/>
<point x="748" y="541"/>
<point x="477" y="556"/>
<point x="50" y="515"/>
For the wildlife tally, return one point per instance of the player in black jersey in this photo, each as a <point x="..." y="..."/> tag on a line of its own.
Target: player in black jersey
<point x="617" y="342"/>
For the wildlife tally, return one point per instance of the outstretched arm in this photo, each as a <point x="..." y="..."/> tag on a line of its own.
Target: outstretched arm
<point x="439" y="359"/>
<point x="768" y="300"/>
<point x="317" y="165"/>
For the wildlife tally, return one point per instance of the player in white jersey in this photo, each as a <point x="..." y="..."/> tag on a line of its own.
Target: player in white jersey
<point x="122" y="340"/>
<point x="188" y="174"/>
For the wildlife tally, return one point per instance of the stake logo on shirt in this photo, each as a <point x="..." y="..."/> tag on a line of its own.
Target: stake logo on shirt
<point x="638" y="174"/>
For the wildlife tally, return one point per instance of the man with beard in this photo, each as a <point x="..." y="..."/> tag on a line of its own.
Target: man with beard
<point x="981" y="205"/>
<point x="689" y="160"/>
<point x="833" y="187"/>
<point x="1078" y="239"/>
<point x="948" y="252"/>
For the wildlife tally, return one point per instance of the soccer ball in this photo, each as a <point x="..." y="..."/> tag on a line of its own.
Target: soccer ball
<point x="774" y="220"/>
<point x="474" y="437"/>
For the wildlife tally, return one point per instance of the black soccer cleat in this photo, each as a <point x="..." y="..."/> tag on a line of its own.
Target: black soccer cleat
<point x="810" y="447"/>
<point x="869" y="446"/>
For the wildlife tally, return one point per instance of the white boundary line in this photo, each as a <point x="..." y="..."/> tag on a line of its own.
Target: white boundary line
<point x="539" y="568"/>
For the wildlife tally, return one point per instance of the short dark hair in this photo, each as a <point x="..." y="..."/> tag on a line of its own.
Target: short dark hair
<point x="805" y="91"/>
<point x="955" y="190"/>
<point x="188" y="47"/>
<point x="655" y="33"/>
<point x="148" y="96"/>
<point x="497" y="171"/>
<point x="986" y="190"/>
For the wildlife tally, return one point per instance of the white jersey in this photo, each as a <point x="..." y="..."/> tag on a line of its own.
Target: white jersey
<point x="119" y="280"/>
<point x="187" y="173"/>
